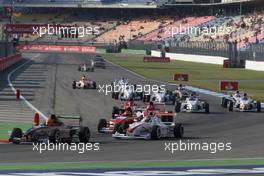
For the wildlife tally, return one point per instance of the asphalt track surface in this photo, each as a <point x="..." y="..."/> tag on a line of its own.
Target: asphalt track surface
<point x="54" y="93"/>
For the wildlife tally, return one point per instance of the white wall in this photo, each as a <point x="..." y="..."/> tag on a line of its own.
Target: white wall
<point x="193" y="58"/>
<point x="253" y="65"/>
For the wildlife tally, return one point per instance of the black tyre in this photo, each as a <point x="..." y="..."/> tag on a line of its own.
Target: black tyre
<point x="55" y="136"/>
<point x="94" y="85"/>
<point x="178" y="107"/>
<point x="258" y="106"/>
<point x="115" y="111"/>
<point x="92" y="69"/>
<point x="113" y="95"/>
<point x="178" y="131"/>
<point x="118" y="128"/>
<point x="74" y="84"/>
<point x="224" y="102"/>
<point x="140" y="94"/>
<point x="230" y="106"/>
<point x="155" y="133"/>
<point x="147" y="98"/>
<point x="16" y="133"/>
<point x="173" y="99"/>
<point x="102" y="124"/>
<point x="117" y="95"/>
<point x="144" y="98"/>
<point x="206" y="107"/>
<point x="84" y="134"/>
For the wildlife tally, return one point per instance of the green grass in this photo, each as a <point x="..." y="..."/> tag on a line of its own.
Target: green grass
<point x="205" y="76"/>
<point x="8" y="126"/>
<point x="130" y="164"/>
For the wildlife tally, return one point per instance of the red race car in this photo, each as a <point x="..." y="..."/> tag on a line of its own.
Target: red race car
<point x="122" y="117"/>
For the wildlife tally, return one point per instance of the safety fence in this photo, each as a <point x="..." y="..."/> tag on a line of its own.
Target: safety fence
<point x="6" y="62"/>
<point x="6" y="49"/>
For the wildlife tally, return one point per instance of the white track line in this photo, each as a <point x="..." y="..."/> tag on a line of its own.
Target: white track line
<point x="22" y="97"/>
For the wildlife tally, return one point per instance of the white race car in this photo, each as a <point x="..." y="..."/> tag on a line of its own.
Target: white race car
<point x="124" y="91"/>
<point x="244" y="105"/>
<point x="84" y="84"/>
<point x="160" y="125"/>
<point x="86" y="68"/>
<point x="241" y="103"/>
<point x="192" y="104"/>
<point x="167" y="97"/>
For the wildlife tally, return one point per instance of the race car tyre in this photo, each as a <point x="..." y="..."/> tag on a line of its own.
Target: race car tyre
<point x="94" y="85"/>
<point x="113" y="95"/>
<point x="178" y="131"/>
<point x="173" y="99"/>
<point x="230" y="106"/>
<point x="118" y="128"/>
<point x="258" y="106"/>
<point x="74" y="84"/>
<point x="224" y="102"/>
<point x="147" y="98"/>
<point x="155" y="133"/>
<point x="92" y="69"/>
<point x="178" y="107"/>
<point x="116" y="95"/>
<point x="55" y="136"/>
<point x="140" y="94"/>
<point x="144" y="97"/>
<point x="16" y="133"/>
<point x="84" y="135"/>
<point x="115" y="111"/>
<point x="206" y="107"/>
<point x="102" y="124"/>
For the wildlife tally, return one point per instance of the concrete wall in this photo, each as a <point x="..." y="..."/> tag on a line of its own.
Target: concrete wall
<point x="255" y="65"/>
<point x="193" y="58"/>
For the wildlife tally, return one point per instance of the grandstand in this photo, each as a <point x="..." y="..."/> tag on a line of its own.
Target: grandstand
<point x="130" y="22"/>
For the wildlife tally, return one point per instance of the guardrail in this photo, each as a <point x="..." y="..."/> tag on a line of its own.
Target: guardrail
<point x="193" y="58"/>
<point x="7" y="62"/>
<point x="57" y="48"/>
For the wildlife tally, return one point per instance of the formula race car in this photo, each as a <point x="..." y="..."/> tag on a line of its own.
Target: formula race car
<point x="84" y="83"/>
<point x="55" y="134"/>
<point x="182" y="93"/>
<point x="86" y="68"/>
<point x="160" y="125"/>
<point x="167" y="97"/>
<point x="243" y="104"/>
<point x="124" y="91"/>
<point x="98" y="62"/>
<point x="121" y="121"/>
<point x="115" y="124"/>
<point x="192" y="104"/>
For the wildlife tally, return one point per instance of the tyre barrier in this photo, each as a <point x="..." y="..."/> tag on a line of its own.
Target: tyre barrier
<point x="6" y="62"/>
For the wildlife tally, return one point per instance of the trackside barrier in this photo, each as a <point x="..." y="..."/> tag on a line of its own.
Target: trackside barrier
<point x="192" y="58"/>
<point x="58" y="48"/>
<point x="156" y="59"/>
<point x="181" y="77"/>
<point x="6" y="62"/>
<point x="254" y="65"/>
<point x="228" y="85"/>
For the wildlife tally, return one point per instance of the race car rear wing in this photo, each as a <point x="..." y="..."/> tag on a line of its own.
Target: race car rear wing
<point x="72" y="117"/>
